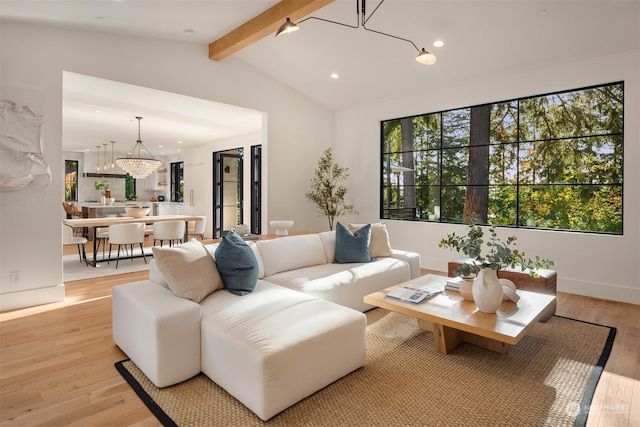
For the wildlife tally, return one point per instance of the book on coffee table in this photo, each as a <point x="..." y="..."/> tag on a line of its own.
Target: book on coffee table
<point x="413" y="293"/>
<point x="454" y="283"/>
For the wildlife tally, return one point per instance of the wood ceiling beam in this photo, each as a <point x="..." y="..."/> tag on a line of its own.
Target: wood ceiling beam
<point x="262" y="25"/>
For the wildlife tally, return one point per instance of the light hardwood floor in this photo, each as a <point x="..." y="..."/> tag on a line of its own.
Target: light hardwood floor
<point x="56" y="362"/>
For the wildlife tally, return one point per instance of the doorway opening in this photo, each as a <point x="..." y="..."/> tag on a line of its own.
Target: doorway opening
<point x="229" y="190"/>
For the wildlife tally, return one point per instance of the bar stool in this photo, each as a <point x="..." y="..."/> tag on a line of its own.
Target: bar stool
<point x="126" y="234"/>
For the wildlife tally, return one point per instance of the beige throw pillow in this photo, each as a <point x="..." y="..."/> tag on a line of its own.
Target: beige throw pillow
<point x="379" y="245"/>
<point x="189" y="270"/>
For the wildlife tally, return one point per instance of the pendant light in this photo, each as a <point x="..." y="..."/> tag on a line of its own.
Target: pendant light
<point x="113" y="164"/>
<point x="105" y="157"/>
<point x="424" y="56"/>
<point x="98" y="162"/>
<point x="135" y="164"/>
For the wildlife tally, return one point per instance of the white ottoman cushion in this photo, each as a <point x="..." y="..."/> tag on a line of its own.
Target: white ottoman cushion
<point x="159" y="332"/>
<point x="273" y="347"/>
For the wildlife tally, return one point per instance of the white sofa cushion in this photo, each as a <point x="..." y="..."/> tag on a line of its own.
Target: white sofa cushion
<point x="328" y="239"/>
<point x="158" y="331"/>
<point x="188" y="269"/>
<point x="345" y="284"/>
<point x="291" y="252"/>
<point x="274" y="347"/>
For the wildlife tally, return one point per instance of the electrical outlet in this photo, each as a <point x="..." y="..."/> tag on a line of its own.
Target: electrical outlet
<point x="14" y="277"/>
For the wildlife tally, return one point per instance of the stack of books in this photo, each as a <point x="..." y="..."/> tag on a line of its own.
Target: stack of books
<point x="454" y="283"/>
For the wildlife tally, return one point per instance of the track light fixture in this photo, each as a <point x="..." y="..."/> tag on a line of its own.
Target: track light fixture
<point x="424" y="56"/>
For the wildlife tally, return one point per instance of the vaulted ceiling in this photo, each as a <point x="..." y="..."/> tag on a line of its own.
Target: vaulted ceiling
<point x="480" y="38"/>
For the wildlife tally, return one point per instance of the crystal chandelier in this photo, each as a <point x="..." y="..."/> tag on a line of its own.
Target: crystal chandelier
<point x="135" y="164"/>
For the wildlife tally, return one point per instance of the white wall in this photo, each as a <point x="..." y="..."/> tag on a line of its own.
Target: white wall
<point x="594" y="265"/>
<point x="32" y="63"/>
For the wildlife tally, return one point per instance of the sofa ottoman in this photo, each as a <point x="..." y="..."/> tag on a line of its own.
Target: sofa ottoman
<point x="158" y="331"/>
<point x="274" y="347"/>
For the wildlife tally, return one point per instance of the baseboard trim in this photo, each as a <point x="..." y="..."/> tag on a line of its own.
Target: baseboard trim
<point x="599" y="290"/>
<point x="31" y="297"/>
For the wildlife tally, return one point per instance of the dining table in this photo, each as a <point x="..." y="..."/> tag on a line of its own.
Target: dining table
<point x="96" y="223"/>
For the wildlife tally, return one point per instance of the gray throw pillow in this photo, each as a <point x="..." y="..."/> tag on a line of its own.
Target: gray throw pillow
<point x="237" y="264"/>
<point x="352" y="247"/>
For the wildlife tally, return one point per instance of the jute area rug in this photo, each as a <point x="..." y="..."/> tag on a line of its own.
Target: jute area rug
<point x="548" y="379"/>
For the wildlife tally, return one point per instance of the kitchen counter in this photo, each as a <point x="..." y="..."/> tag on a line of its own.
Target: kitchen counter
<point x="167" y="208"/>
<point x="96" y="210"/>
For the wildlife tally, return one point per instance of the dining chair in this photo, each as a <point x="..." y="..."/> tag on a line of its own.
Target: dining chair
<point x="69" y="239"/>
<point x="126" y="234"/>
<point x="102" y="234"/>
<point x="173" y="231"/>
<point x="72" y="211"/>
<point x="198" y="228"/>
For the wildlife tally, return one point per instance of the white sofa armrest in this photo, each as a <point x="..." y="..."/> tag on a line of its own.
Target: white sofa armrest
<point x="158" y="331"/>
<point x="412" y="258"/>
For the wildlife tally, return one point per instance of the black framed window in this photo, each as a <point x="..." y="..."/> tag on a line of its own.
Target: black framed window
<point x="256" y="189"/>
<point x="71" y="180"/>
<point x="552" y="161"/>
<point x="177" y="181"/>
<point x="130" y="188"/>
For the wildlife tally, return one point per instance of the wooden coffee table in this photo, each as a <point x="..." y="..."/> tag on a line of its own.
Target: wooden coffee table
<point x="453" y="320"/>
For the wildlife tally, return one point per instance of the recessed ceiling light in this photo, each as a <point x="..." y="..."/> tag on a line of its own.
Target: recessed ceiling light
<point x="188" y="31"/>
<point x="179" y="142"/>
<point x="160" y="146"/>
<point x="542" y="12"/>
<point x="438" y="43"/>
<point x="99" y="18"/>
<point x="335" y="76"/>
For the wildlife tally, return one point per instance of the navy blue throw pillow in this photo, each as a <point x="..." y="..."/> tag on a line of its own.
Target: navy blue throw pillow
<point x="352" y="247"/>
<point x="237" y="264"/>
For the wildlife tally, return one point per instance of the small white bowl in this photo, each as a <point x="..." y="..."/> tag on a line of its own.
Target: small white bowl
<point x="281" y="227"/>
<point x="137" y="212"/>
<point x="109" y="201"/>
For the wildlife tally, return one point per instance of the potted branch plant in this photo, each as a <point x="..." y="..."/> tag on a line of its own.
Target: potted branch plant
<point x="102" y="187"/>
<point x="487" y="290"/>
<point x="327" y="192"/>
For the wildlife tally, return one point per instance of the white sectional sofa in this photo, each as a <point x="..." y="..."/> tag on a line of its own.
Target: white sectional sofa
<point x="305" y="264"/>
<point x="300" y="329"/>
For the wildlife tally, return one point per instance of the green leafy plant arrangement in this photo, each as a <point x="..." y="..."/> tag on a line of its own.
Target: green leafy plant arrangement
<point x="327" y="193"/>
<point x="101" y="186"/>
<point x="500" y="254"/>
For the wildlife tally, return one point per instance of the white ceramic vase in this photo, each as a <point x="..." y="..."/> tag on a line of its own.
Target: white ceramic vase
<point x="466" y="290"/>
<point x="487" y="291"/>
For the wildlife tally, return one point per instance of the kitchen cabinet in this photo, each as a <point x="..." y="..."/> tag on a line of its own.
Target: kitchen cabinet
<point x="170" y="208"/>
<point x="156" y="181"/>
<point x="151" y="182"/>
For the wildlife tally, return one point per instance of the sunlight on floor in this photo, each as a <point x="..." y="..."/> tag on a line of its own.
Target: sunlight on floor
<point x="30" y="311"/>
